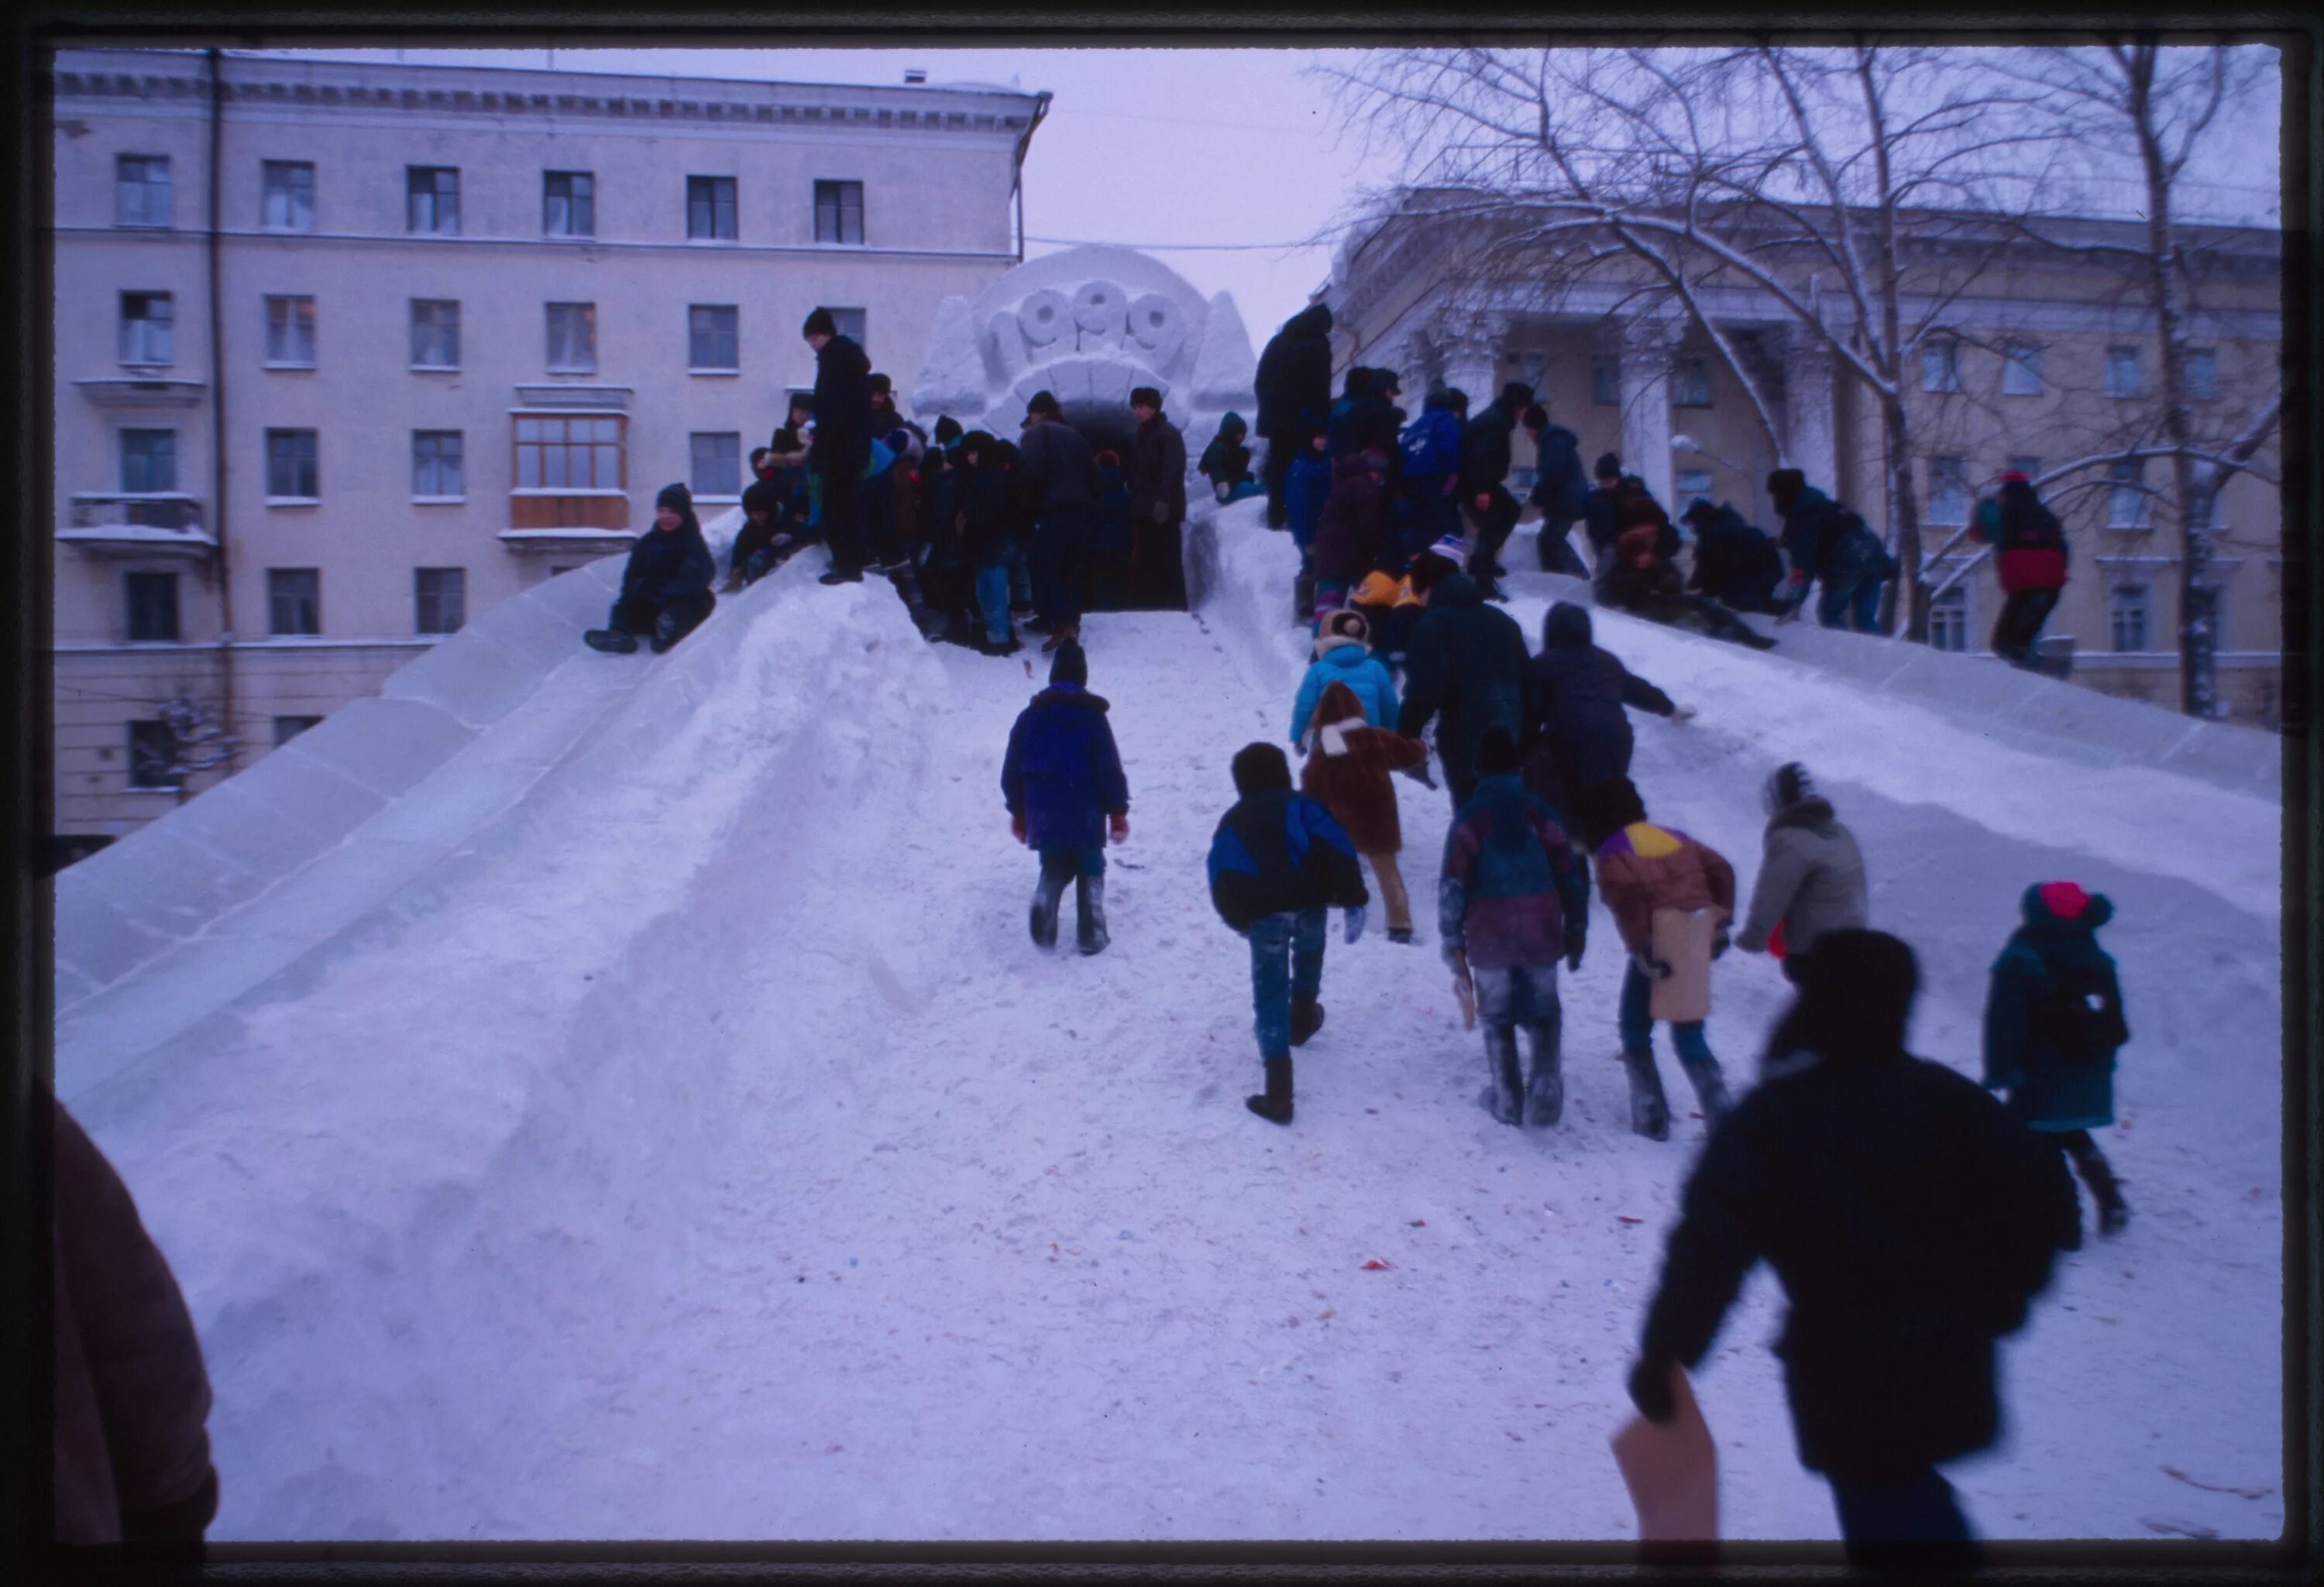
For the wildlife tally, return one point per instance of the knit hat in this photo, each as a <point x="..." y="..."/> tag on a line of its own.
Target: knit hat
<point x="1784" y="486"/>
<point x="1610" y="466"/>
<point x="1343" y="624"/>
<point x="759" y="497"/>
<point x="1496" y="753"/>
<point x="881" y="385"/>
<point x="1856" y="995"/>
<point x="675" y="495"/>
<point x="1042" y="403"/>
<point x="803" y="402"/>
<point x="820" y="324"/>
<point x="1452" y="550"/>
<point x="1456" y="399"/>
<point x="1698" y="510"/>
<point x="1787" y="786"/>
<point x="1260" y="767"/>
<point x="947" y="430"/>
<point x="979" y="441"/>
<point x="1145" y="397"/>
<point x="2065" y="899"/>
<point x="1071" y="664"/>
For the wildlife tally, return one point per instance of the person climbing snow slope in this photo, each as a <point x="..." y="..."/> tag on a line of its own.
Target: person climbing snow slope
<point x="1062" y="782"/>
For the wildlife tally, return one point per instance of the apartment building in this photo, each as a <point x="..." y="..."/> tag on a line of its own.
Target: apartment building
<point x="416" y="337"/>
<point x="2047" y="357"/>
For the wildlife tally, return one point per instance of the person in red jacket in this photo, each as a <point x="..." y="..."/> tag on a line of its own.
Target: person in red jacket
<point x="2030" y="555"/>
<point x="132" y="1446"/>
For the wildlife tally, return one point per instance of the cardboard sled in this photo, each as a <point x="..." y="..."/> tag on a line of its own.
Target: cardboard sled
<point x="1672" y="1471"/>
<point x="1682" y="939"/>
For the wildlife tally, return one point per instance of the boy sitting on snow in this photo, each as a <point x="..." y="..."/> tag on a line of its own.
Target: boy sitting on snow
<point x="666" y="585"/>
<point x="1278" y="861"/>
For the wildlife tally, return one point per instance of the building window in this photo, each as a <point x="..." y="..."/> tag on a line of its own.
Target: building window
<point x="839" y="212"/>
<point x="287" y="728"/>
<point x="1948" y="491"/>
<point x="2127" y="608"/>
<point x="573" y="338"/>
<point x="141" y="190"/>
<point x="153" y="755"/>
<point x="1690" y="384"/>
<point x="2202" y="373"/>
<point x="287" y="196"/>
<point x="568" y="454"/>
<point x="2021" y="369"/>
<point x="1606" y="381"/>
<point x="2126" y="494"/>
<point x="435" y="333"/>
<point x="710" y="207"/>
<point x="713" y="339"/>
<point x="850" y="323"/>
<point x="294" y="600"/>
<point x="2027" y="464"/>
<point x="149" y="460"/>
<point x="2122" y="371"/>
<point x="439" y="599"/>
<point x="436" y="470"/>
<point x="290" y="467"/>
<point x="152" y="606"/>
<point x="717" y="468"/>
<point x="1940" y="367"/>
<point x="569" y="204"/>
<point x="432" y="199"/>
<point x="290" y="333"/>
<point x="1689" y="484"/>
<point x="1949" y="621"/>
<point x="148" y="329"/>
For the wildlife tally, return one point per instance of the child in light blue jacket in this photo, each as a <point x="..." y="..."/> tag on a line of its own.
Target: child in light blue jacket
<point x="1341" y="657"/>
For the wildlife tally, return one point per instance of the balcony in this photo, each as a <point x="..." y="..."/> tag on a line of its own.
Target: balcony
<point x="142" y="392"/>
<point x="147" y="523"/>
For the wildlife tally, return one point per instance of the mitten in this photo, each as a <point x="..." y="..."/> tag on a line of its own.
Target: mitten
<point x="1719" y="942"/>
<point x="1682" y="713"/>
<point x="1574" y="945"/>
<point x="1650" y="1389"/>
<point x="1652" y="968"/>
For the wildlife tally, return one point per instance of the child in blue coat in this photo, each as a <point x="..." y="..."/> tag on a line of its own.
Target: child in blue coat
<point x="1342" y="656"/>
<point x="1062" y="782"/>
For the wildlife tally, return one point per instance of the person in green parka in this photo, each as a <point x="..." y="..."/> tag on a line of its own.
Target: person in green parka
<point x="2052" y="1022"/>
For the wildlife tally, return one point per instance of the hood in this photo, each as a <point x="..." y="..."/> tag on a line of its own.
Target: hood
<point x="1339" y="704"/>
<point x="1314" y="320"/>
<point x="1341" y="650"/>
<point x="1809" y="496"/>
<point x="1069" y="694"/>
<point x="1566" y="625"/>
<point x="1231" y="424"/>
<point x="2064" y="903"/>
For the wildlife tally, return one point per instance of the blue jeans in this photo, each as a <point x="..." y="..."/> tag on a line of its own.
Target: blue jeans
<point x="1296" y="936"/>
<point x="1637" y="1024"/>
<point x="1922" y="1509"/>
<point x="1522" y="994"/>
<point x="1850" y="601"/>
<point x="993" y="600"/>
<point x="1083" y="859"/>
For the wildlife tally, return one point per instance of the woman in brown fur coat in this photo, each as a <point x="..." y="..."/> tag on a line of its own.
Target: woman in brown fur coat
<point x="1347" y="773"/>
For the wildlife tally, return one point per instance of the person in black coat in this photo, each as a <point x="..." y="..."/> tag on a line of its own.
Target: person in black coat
<point x="1294" y="387"/>
<point x="843" y="443"/>
<point x="1059" y="473"/>
<point x="1911" y="1222"/>
<point x="1735" y="563"/>
<point x="666" y="586"/>
<point x="1158" y="504"/>
<point x="1466" y="666"/>
<point x="1559" y="491"/>
<point x="1485" y="500"/>
<point x="1601" y="510"/>
<point x="1062" y="780"/>
<point x="1575" y="717"/>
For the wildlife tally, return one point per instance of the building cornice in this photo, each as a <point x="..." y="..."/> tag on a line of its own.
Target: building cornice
<point x="574" y="245"/>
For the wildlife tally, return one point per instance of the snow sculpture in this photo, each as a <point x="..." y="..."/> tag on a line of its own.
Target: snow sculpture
<point x="1088" y="325"/>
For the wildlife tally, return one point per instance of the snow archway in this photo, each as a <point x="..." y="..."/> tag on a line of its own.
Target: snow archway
<point x="1088" y="325"/>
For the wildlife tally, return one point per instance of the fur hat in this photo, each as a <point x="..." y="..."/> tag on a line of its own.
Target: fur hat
<point x="1071" y="664"/>
<point x="1145" y="397"/>
<point x="1260" y="767"/>
<point x="1345" y="625"/>
<point x="1610" y="466"/>
<point x="820" y="324"/>
<point x="1787" y="786"/>
<point x="1043" y="402"/>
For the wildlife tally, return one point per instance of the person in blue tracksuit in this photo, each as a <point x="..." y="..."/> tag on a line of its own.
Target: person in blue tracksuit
<point x="1512" y="901"/>
<point x="1277" y="861"/>
<point x="1062" y="781"/>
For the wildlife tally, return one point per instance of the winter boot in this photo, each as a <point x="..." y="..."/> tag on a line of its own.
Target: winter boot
<point x="1709" y="1089"/>
<point x="1501" y="1062"/>
<point x="1273" y="1104"/>
<point x="1545" y="1086"/>
<point x="1306" y="1019"/>
<point x="1089" y="913"/>
<point x="1402" y="934"/>
<point x="2098" y="1175"/>
<point x="665" y="633"/>
<point x="1045" y="905"/>
<point x="613" y="641"/>
<point x="1649" y="1113"/>
<point x="1303" y="598"/>
<point x="836" y="574"/>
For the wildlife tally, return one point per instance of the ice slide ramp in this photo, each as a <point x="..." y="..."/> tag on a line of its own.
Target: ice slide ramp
<point x="352" y="830"/>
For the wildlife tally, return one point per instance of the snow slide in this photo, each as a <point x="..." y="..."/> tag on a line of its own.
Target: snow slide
<point x="699" y="1148"/>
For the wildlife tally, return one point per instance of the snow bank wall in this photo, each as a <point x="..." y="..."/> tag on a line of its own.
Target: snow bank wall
<point x="306" y="839"/>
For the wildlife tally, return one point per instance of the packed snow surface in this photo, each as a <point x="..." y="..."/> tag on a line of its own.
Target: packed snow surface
<point x="709" y="1154"/>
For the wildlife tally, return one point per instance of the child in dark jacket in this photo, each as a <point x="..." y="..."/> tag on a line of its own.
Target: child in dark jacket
<point x="1352" y="533"/>
<point x="2052" y="1023"/>
<point x="1645" y="870"/>
<point x="1277" y="861"/>
<point x="1061" y="779"/>
<point x="1226" y="461"/>
<point x="1514" y="899"/>
<point x="986" y="502"/>
<point x="666" y="586"/>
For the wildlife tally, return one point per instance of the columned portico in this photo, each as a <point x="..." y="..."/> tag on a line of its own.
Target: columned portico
<point x="1647" y="341"/>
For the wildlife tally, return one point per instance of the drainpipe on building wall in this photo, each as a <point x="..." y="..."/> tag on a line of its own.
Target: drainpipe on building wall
<point x="218" y="426"/>
<point x="1016" y="177"/>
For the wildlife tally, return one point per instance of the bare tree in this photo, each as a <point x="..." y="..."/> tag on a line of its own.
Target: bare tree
<point x="2162" y="105"/>
<point x="1851" y="192"/>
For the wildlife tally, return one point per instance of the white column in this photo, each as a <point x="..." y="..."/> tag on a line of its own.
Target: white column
<point x="1809" y="444"/>
<point x="1646" y="344"/>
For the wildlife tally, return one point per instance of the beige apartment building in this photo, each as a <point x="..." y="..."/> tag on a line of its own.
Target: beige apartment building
<point x="422" y="337"/>
<point x="2046" y="358"/>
